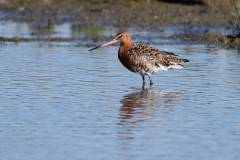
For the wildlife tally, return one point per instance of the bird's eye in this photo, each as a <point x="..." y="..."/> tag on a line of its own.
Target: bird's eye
<point x="120" y="36"/>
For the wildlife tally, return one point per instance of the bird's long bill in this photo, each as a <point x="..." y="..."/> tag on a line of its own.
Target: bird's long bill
<point x="105" y="44"/>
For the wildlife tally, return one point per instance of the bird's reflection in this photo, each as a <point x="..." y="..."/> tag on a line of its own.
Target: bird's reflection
<point x="145" y="102"/>
<point x="145" y="105"/>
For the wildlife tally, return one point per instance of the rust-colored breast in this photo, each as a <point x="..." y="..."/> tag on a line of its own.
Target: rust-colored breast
<point x="131" y="59"/>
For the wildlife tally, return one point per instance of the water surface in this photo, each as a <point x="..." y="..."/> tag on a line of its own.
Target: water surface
<point x="59" y="101"/>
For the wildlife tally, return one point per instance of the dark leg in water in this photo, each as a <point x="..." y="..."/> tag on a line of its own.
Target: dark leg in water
<point x="143" y="78"/>
<point x="151" y="82"/>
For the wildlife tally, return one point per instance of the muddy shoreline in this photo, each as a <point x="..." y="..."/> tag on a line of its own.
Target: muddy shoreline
<point x="124" y="14"/>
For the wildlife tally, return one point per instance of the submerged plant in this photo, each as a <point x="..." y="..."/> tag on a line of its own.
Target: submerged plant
<point x="234" y="9"/>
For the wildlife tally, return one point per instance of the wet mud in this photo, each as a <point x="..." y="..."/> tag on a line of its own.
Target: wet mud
<point x="148" y="14"/>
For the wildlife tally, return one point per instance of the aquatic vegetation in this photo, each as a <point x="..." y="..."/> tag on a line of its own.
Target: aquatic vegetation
<point x="234" y="10"/>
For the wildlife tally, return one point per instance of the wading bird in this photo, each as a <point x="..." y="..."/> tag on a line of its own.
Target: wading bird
<point x="143" y="59"/>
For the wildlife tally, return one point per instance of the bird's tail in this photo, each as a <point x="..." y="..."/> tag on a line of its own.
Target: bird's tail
<point x="178" y="65"/>
<point x="185" y="60"/>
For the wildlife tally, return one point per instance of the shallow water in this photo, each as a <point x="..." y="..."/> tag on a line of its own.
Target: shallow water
<point x="77" y="30"/>
<point x="59" y="101"/>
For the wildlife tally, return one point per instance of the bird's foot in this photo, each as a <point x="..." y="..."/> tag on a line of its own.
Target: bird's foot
<point x="151" y="83"/>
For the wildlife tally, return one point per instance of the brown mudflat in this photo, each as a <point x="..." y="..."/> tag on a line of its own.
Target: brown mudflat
<point x="207" y="13"/>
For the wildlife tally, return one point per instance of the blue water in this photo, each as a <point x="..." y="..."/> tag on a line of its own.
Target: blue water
<point x="59" y="101"/>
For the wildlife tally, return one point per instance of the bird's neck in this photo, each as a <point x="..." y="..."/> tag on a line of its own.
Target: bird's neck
<point x="124" y="46"/>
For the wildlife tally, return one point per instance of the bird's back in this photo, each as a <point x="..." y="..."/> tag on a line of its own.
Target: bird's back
<point x="143" y="59"/>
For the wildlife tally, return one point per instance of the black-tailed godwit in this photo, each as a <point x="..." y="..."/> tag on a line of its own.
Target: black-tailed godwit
<point x="143" y="59"/>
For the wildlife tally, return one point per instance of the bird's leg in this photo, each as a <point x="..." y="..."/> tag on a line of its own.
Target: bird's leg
<point x="143" y="78"/>
<point x="151" y="82"/>
<point x="143" y="86"/>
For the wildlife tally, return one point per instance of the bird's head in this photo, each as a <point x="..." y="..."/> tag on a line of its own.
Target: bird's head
<point x="121" y="37"/>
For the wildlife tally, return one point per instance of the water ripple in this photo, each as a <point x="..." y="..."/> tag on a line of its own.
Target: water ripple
<point x="62" y="102"/>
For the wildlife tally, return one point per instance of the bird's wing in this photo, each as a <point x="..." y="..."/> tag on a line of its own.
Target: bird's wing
<point x="157" y="56"/>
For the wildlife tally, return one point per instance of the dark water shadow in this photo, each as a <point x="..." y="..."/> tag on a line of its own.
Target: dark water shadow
<point x="41" y="30"/>
<point x="185" y="2"/>
<point x="86" y="31"/>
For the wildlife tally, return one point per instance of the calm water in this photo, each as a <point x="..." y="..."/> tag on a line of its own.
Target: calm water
<point x="59" y="101"/>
